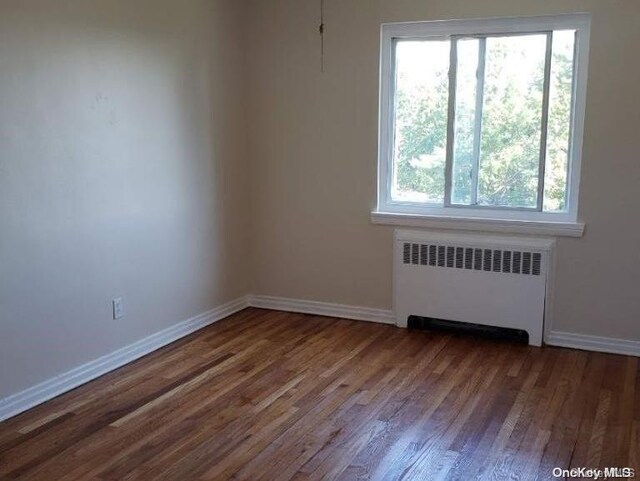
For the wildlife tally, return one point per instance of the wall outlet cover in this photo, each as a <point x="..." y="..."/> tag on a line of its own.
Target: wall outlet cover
<point x="118" y="308"/>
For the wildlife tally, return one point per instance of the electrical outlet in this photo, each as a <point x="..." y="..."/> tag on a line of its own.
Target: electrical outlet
<point x="118" y="308"/>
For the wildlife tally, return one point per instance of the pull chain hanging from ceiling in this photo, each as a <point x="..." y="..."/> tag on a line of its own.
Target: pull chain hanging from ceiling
<point x="321" y="30"/>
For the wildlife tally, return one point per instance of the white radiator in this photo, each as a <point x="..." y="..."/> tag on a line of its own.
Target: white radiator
<point x="488" y="280"/>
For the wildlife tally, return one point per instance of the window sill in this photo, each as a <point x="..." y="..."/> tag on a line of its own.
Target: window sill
<point x="561" y="229"/>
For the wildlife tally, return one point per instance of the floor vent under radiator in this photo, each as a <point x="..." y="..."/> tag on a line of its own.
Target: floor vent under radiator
<point x="478" y="330"/>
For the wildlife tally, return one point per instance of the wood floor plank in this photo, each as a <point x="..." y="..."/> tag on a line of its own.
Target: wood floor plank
<point x="276" y="396"/>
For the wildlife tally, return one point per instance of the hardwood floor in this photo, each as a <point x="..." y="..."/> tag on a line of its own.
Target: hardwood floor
<point x="275" y="396"/>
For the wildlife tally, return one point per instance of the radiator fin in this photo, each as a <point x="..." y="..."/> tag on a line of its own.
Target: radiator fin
<point x="459" y="257"/>
<point x="517" y="259"/>
<point x="469" y="258"/>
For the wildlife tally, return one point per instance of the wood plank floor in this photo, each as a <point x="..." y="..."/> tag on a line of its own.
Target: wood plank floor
<point x="274" y="396"/>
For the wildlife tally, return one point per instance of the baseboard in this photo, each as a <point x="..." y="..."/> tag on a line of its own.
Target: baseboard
<point x="554" y="338"/>
<point x="24" y="400"/>
<point x="323" y="309"/>
<point x="593" y="343"/>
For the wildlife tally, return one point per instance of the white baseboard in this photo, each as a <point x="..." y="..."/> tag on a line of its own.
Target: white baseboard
<point x="593" y="343"/>
<point x="554" y="338"/>
<point x="24" y="400"/>
<point x="20" y="402"/>
<point x="323" y="309"/>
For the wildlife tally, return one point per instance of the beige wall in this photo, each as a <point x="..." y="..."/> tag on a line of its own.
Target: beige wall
<point x="122" y="173"/>
<point x="313" y="154"/>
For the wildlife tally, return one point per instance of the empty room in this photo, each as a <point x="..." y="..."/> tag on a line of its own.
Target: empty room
<point x="295" y="240"/>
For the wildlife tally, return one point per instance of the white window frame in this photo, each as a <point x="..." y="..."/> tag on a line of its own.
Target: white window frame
<point x="473" y="217"/>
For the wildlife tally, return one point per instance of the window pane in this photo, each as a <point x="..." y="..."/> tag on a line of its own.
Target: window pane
<point x="560" y="94"/>
<point x="511" y="121"/>
<point x="420" y="137"/>
<point x="465" y="121"/>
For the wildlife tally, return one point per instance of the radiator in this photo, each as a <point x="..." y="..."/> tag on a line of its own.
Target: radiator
<point x="488" y="280"/>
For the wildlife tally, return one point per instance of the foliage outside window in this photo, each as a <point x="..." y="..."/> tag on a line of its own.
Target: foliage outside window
<point x="481" y="119"/>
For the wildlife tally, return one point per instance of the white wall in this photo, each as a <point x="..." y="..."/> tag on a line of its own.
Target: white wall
<point x="122" y="173"/>
<point x="313" y="151"/>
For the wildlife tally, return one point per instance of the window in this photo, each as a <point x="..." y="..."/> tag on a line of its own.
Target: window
<point x="483" y="118"/>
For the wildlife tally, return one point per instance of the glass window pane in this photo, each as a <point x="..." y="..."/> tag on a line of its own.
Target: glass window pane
<point x="511" y="121"/>
<point x="421" y="105"/>
<point x="465" y="120"/>
<point x="560" y="95"/>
